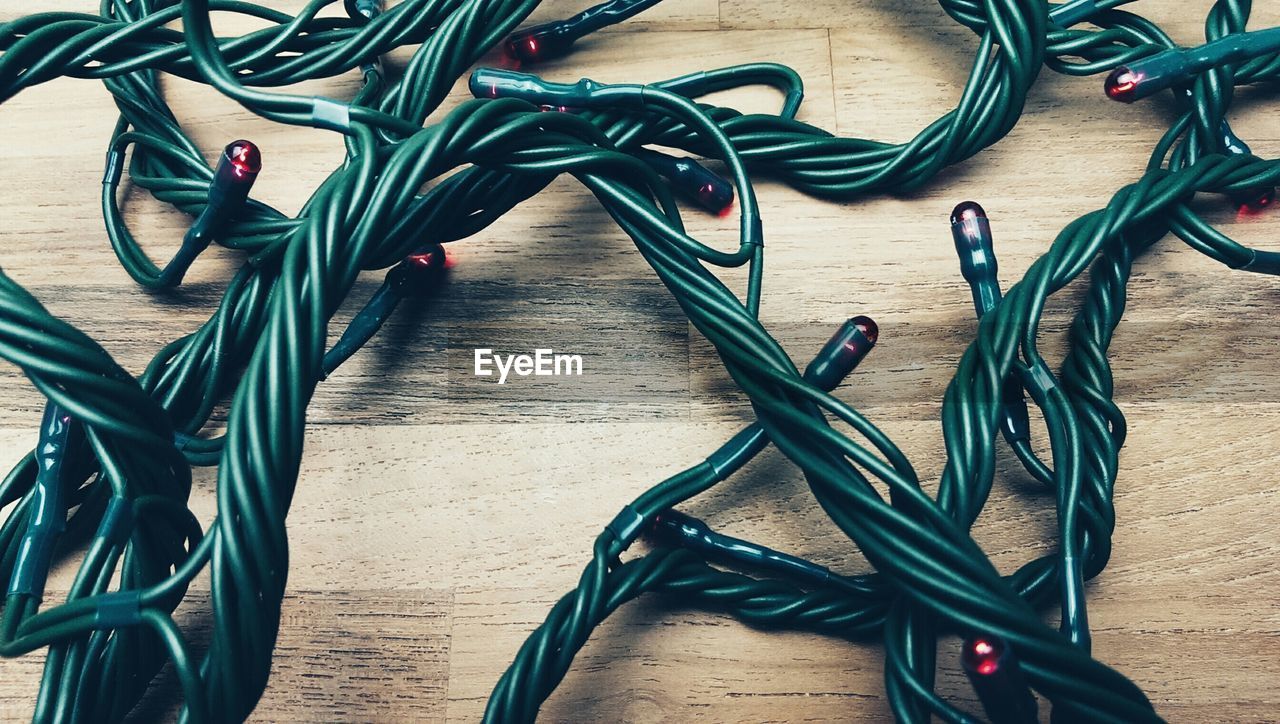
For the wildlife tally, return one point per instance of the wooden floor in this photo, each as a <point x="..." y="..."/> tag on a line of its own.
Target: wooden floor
<point x="438" y="517"/>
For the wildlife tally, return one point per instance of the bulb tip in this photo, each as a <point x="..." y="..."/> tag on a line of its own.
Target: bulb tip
<point x="521" y="50"/>
<point x="1264" y="200"/>
<point x="868" y="327"/>
<point x="982" y="655"/>
<point x="967" y="211"/>
<point x="429" y="258"/>
<point x="1121" y="84"/>
<point x="244" y="157"/>
<point x="716" y="197"/>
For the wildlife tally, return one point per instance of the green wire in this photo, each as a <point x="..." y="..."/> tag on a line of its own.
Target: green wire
<point x="125" y="493"/>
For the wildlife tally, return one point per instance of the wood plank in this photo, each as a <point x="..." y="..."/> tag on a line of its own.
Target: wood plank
<point x="355" y="655"/>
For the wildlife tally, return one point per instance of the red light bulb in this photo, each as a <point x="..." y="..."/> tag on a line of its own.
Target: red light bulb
<point x="1264" y="199"/>
<point x="541" y="42"/>
<point x="428" y="260"/>
<point x="868" y="327"/>
<point x="842" y="353"/>
<point x="233" y="178"/>
<point x="692" y="181"/>
<point x="993" y="670"/>
<point x="524" y="49"/>
<point x="418" y="272"/>
<point x="1121" y="84"/>
<point x="245" y="158"/>
<point x="982" y="655"/>
<point x="971" y="232"/>
<point x="967" y="211"/>
<point x="716" y="198"/>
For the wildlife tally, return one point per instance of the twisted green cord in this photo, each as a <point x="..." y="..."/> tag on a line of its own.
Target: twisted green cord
<point x="265" y="343"/>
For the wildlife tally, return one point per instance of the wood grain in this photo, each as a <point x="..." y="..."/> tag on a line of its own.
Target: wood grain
<point x="342" y="656"/>
<point x="438" y="517"/>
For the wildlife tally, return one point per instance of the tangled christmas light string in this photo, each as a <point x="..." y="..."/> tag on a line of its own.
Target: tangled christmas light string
<point x="109" y="480"/>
